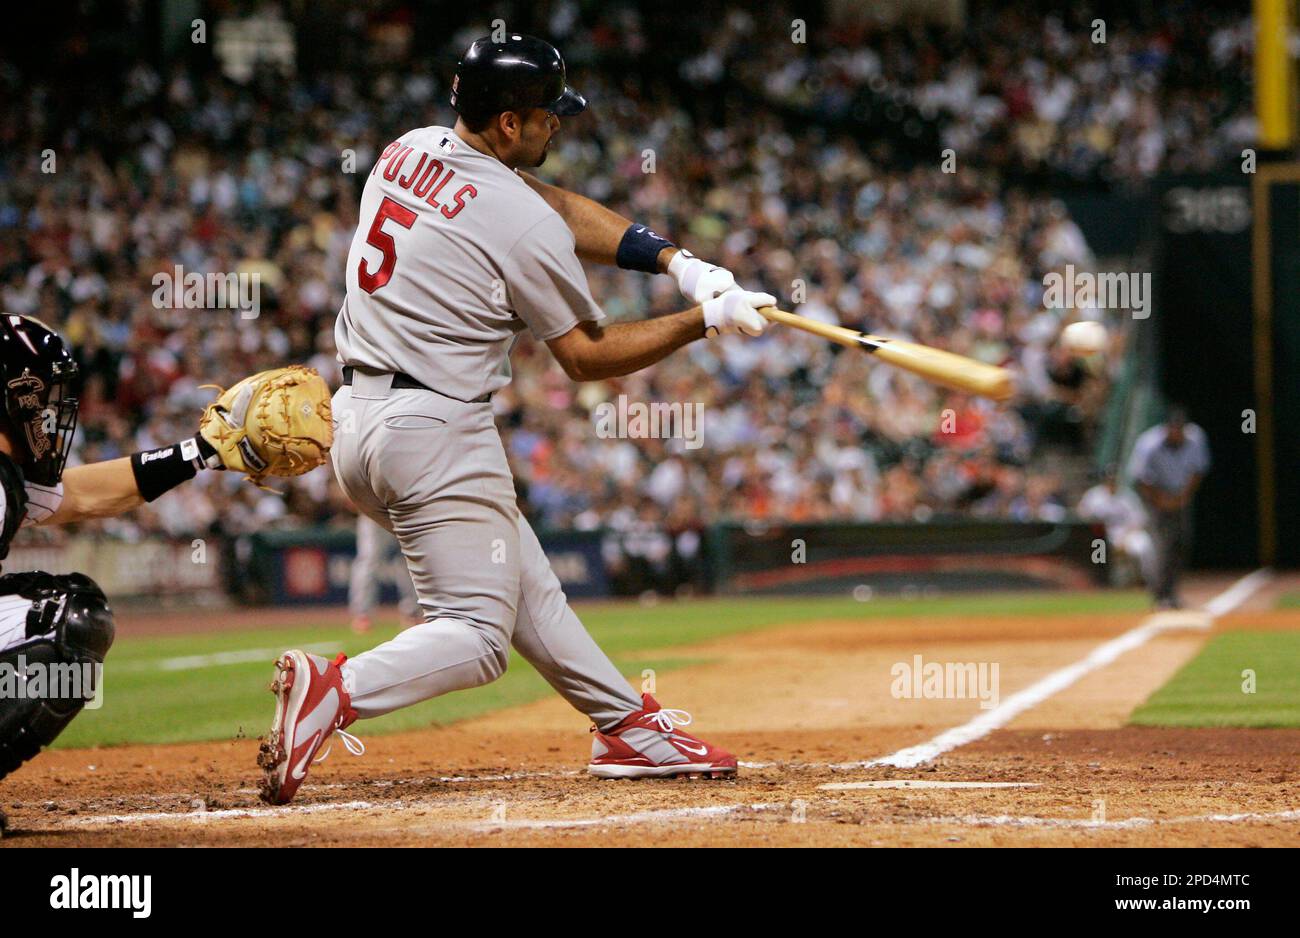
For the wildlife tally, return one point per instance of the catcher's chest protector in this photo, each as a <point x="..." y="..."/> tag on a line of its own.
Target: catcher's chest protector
<point x="54" y="634"/>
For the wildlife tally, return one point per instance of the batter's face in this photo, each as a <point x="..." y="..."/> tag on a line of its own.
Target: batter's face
<point x="538" y="128"/>
<point x="516" y="138"/>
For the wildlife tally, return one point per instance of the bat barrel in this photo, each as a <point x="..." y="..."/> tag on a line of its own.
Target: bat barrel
<point x="946" y="368"/>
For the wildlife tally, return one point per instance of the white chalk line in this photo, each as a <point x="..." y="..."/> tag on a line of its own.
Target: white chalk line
<point x="1007" y="820"/>
<point x="1058" y="680"/>
<point x="917" y="784"/>
<point x="699" y="812"/>
<point x="199" y="816"/>
<point x="429" y="779"/>
<point x="327" y="786"/>
<point x="224" y="814"/>
<point x="712" y="812"/>
<point x="703" y="812"/>
<point x="219" y="658"/>
<point x="1238" y="592"/>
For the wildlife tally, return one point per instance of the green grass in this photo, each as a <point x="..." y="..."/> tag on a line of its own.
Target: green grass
<point x="1289" y="601"/>
<point x="1208" y="689"/>
<point x="144" y="702"/>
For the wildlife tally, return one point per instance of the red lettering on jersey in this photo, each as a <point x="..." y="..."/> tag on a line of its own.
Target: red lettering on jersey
<point x="421" y="188"/>
<point x="430" y="177"/>
<point x="395" y="163"/>
<point x="464" y="192"/>
<point x="433" y="196"/>
<point x="406" y="183"/>
<point x="388" y="151"/>
<point x="378" y="237"/>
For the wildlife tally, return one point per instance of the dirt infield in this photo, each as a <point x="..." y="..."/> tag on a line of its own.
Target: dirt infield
<point x="804" y="707"/>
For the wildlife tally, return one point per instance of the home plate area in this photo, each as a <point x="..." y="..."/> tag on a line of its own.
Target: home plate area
<point x="808" y="710"/>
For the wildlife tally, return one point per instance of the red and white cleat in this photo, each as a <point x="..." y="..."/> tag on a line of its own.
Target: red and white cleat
<point x="310" y="705"/>
<point x="648" y="744"/>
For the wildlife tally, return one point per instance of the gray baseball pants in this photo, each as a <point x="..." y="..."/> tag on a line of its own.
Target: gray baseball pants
<point x="432" y="470"/>
<point x="375" y="548"/>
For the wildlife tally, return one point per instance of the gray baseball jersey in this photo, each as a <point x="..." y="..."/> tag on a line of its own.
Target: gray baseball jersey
<point x="453" y="255"/>
<point x="1166" y="467"/>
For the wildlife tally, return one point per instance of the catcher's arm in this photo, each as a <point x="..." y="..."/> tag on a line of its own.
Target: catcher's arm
<point x="97" y="490"/>
<point x="272" y="423"/>
<point x="603" y="236"/>
<point x="115" y="486"/>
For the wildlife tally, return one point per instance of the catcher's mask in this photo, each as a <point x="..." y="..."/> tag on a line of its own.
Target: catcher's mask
<point x="37" y="373"/>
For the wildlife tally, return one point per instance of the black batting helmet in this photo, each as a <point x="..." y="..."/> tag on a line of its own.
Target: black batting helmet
<point x="37" y="372"/>
<point x="521" y="72"/>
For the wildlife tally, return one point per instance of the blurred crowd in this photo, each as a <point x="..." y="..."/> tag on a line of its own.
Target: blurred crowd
<point x="1029" y="93"/>
<point x="189" y="167"/>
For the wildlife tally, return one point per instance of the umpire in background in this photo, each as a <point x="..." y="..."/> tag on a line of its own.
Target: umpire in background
<point x="1168" y="463"/>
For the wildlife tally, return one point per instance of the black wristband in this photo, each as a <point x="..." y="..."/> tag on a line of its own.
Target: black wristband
<point x="161" y="470"/>
<point x="639" y="249"/>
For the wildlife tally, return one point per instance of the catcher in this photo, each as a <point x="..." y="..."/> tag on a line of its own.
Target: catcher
<point x="273" y="423"/>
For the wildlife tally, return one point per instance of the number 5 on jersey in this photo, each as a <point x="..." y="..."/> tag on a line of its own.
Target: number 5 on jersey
<point x="377" y="237"/>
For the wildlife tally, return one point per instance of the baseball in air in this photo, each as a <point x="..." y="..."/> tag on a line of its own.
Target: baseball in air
<point x="1085" y="338"/>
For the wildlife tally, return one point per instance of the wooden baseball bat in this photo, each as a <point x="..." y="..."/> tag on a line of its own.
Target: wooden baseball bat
<point x="946" y="368"/>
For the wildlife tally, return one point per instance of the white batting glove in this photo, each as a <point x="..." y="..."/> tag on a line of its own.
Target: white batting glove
<point x="697" y="279"/>
<point x="736" y="311"/>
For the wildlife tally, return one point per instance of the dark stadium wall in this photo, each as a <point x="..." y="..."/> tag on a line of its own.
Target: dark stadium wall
<point x="1203" y="335"/>
<point x="863" y="559"/>
<point x="1276" y="267"/>
<point x="1114" y="224"/>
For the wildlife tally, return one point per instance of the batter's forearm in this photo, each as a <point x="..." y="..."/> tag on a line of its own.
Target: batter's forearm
<point x="638" y="345"/>
<point x="590" y="353"/>
<point x="597" y="230"/>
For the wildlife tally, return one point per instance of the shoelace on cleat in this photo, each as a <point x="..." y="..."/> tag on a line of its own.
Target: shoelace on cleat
<point x="350" y="743"/>
<point x="668" y="718"/>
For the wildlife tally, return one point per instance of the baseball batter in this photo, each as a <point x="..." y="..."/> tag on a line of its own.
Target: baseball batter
<point x="456" y="253"/>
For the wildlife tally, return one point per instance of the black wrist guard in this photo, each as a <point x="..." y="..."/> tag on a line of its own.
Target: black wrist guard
<point x="639" y="249"/>
<point x="161" y="470"/>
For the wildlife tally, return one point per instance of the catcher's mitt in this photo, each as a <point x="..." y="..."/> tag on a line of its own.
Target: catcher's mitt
<point x="276" y="422"/>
